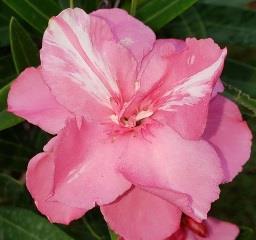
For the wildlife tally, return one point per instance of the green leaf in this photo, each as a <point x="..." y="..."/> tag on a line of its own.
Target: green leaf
<point x="34" y="12"/>
<point x="3" y="96"/>
<point x="157" y="13"/>
<point x="88" y="6"/>
<point x="133" y="7"/>
<point x="241" y="76"/>
<point x="24" y="54"/>
<point x="5" y="14"/>
<point x="8" y="120"/>
<point x="239" y="81"/>
<point x="239" y="198"/>
<point x="236" y="3"/>
<point x="92" y="226"/>
<point x="240" y="97"/>
<point x="4" y="39"/>
<point x="113" y="236"/>
<point x="246" y="233"/>
<point x="7" y="70"/>
<point x="18" y="144"/>
<point x="19" y="224"/>
<point x="187" y="24"/>
<point x="217" y="22"/>
<point x="12" y="192"/>
<point x="222" y="26"/>
<point x="24" y="50"/>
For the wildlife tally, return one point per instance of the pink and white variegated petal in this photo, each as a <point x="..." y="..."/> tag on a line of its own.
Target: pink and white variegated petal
<point x="76" y="60"/>
<point x="85" y="160"/>
<point x="196" y="87"/>
<point x="139" y="215"/>
<point x="129" y="31"/>
<point x="229" y="134"/>
<point x="30" y="98"/>
<point x="39" y="181"/>
<point x="153" y="78"/>
<point x="218" y="88"/>
<point x="186" y="173"/>
<point x="189" y="99"/>
<point x="218" y="230"/>
<point x="183" y="84"/>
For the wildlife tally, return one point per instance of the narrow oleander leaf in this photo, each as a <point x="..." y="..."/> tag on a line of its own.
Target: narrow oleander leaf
<point x="24" y="54"/>
<point x="18" y="223"/>
<point x="5" y="15"/>
<point x="240" y="97"/>
<point x="3" y="96"/>
<point x="239" y="80"/>
<point x="242" y="184"/>
<point x="227" y="29"/>
<point x="157" y="13"/>
<point x="8" y="120"/>
<point x="7" y="70"/>
<point x="188" y="24"/>
<point x="34" y="12"/>
<point x="12" y="192"/>
<point x="218" y="22"/>
<point x="24" y="50"/>
<point x="113" y="236"/>
<point x="241" y="76"/>
<point x="236" y="3"/>
<point x="92" y="226"/>
<point x="88" y="6"/>
<point x="4" y="39"/>
<point x="247" y="233"/>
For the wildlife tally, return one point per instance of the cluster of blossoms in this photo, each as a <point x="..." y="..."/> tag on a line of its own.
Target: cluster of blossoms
<point x="141" y="129"/>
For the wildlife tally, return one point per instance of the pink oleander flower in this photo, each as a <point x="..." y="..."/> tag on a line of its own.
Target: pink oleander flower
<point x="141" y="129"/>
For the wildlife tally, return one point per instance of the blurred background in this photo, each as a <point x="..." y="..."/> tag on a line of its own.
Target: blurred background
<point x="230" y="23"/>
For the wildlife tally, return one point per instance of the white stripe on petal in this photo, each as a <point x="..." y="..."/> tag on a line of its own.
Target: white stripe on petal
<point x="193" y="89"/>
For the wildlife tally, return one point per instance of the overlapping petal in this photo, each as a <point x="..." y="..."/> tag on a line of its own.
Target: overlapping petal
<point x="30" y="98"/>
<point x="229" y="134"/>
<point x="81" y="64"/>
<point x="178" y="78"/>
<point x="218" y="230"/>
<point x="39" y="181"/>
<point x="176" y="169"/>
<point x="129" y="31"/>
<point x="139" y="215"/>
<point x="85" y="162"/>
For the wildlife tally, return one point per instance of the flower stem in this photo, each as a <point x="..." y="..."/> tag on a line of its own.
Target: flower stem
<point x="71" y="3"/>
<point x="133" y="7"/>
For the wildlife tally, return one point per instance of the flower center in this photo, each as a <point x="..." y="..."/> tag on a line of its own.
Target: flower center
<point x="133" y="120"/>
<point x="199" y="229"/>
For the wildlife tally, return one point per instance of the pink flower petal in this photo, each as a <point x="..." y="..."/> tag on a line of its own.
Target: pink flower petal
<point x="30" y="98"/>
<point x="178" y="78"/>
<point x="218" y="230"/>
<point x="81" y="64"/>
<point x="218" y="88"/>
<point x="139" y="215"/>
<point x="39" y="181"/>
<point x="85" y="165"/>
<point x="187" y="173"/>
<point x="229" y="134"/>
<point x="129" y="31"/>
